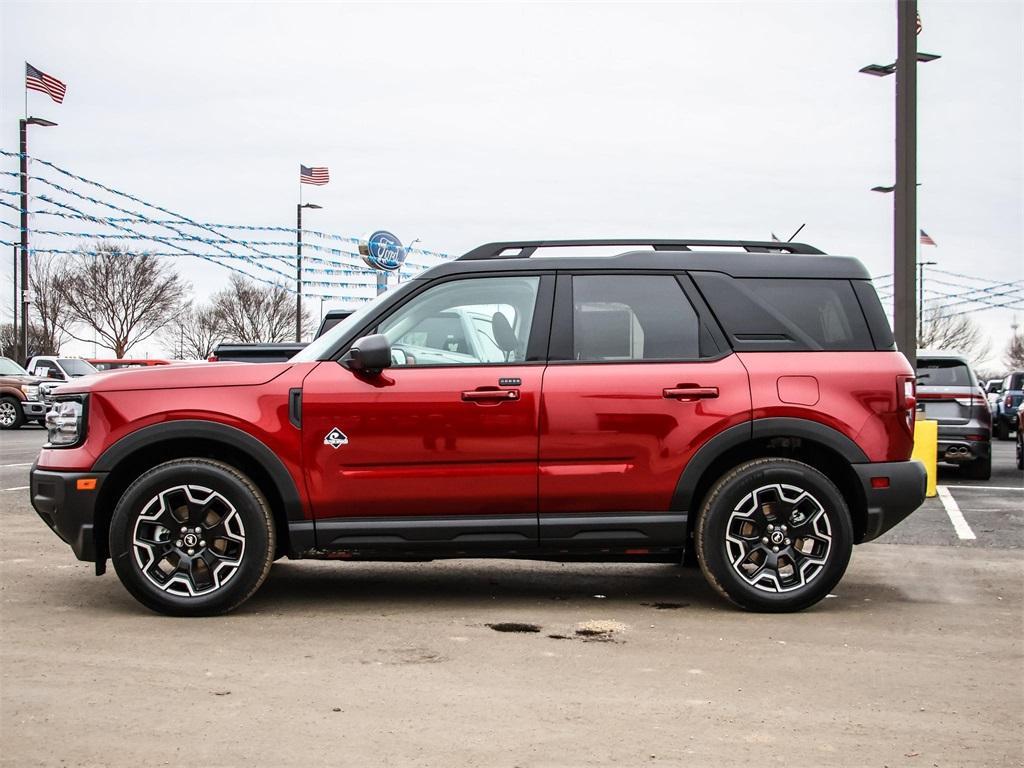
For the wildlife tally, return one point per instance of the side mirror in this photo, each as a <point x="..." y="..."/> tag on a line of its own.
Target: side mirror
<point x="370" y="354"/>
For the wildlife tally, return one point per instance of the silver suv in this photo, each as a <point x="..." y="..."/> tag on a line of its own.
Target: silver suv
<point x="948" y="392"/>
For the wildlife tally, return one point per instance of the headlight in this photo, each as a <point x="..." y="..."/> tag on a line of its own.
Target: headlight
<point x="65" y="422"/>
<point x="31" y="391"/>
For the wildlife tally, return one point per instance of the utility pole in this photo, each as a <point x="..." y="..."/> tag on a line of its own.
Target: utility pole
<point x="14" y="305"/>
<point x="905" y="219"/>
<point x="920" y="296"/>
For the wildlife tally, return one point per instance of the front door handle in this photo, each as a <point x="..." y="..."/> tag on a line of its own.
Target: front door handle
<point x="490" y="395"/>
<point x="690" y="392"/>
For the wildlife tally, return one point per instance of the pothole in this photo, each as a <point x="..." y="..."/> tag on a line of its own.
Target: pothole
<point x="514" y="626"/>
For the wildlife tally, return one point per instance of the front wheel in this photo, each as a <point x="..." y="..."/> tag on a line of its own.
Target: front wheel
<point x="774" y="535"/>
<point x="979" y="469"/>
<point x="11" y="415"/>
<point x="192" y="537"/>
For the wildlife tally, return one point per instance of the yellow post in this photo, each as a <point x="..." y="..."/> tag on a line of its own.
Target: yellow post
<point x="926" y="449"/>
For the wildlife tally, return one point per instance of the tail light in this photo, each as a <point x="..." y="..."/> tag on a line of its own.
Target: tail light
<point x="212" y="359"/>
<point x="907" y="397"/>
<point x="1008" y="402"/>
<point x="969" y="402"/>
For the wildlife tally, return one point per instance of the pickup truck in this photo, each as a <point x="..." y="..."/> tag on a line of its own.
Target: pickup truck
<point x="273" y="353"/>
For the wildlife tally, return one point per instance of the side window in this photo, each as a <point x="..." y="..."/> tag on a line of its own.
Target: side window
<point x="464" y="322"/>
<point x="632" y="317"/>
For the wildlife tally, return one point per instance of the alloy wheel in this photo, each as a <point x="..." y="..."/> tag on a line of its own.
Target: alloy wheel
<point x="8" y="413"/>
<point x="778" y="538"/>
<point x="188" y="540"/>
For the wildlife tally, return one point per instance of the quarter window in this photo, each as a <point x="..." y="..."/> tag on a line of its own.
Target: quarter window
<point x="632" y="317"/>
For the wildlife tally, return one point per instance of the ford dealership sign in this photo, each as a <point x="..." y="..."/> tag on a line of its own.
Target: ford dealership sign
<point x="382" y="250"/>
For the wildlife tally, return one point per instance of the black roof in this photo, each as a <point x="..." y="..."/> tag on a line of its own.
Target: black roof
<point x="746" y="259"/>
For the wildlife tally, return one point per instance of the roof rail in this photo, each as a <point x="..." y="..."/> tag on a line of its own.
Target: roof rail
<point x="528" y="247"/>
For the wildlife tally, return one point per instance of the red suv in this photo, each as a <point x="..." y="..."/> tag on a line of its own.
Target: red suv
<point x="740" y="400"/>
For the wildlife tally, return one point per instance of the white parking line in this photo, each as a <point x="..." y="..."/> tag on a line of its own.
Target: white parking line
<point x="19" y="488"/>
<point x="991" y="487"/>
<point x="6" y="466"/>
<point x="956" y="517"/>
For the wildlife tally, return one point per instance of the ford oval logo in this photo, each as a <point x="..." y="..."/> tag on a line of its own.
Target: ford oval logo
<point x="382" y="250"/>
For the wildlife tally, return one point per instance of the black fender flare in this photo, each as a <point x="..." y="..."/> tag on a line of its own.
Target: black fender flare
<point x="759" y="429"/>
<point x="230" y="437"/>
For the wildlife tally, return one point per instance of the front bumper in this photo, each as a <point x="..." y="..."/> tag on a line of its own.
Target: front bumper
<point x="68" y="511"/>
<point x="891" y="505"/>
<point x="34" y="409"/>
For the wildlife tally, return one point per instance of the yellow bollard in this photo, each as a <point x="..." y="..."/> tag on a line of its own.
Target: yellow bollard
<point x="926" y="449"/>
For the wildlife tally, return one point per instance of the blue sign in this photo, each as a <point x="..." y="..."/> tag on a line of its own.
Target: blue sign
<point x="382" y="250"/>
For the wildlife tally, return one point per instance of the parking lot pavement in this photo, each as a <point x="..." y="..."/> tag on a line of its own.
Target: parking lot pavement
<point x="916" y="660"/>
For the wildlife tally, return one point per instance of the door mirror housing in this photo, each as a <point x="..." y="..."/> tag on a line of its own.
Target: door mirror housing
<point x="370" y="354"/>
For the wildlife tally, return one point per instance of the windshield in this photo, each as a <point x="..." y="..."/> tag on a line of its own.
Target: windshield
<point x="319" y="347"/>
<point x="10" y="368"/>
<point x="74" y="367"/>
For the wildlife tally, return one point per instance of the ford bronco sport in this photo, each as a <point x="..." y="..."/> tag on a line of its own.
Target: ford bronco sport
<point x="742" y="401"/>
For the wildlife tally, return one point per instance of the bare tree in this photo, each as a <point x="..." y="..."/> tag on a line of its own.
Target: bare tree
<point x="249" y="312"/>
<point x="194" y="332"/>
<point x="10" y="345"/>
<point x="124" y="297"/>
<point x="953" y="333"/>
<point x="48" y="279"/>
<point x="1014" y="355"/>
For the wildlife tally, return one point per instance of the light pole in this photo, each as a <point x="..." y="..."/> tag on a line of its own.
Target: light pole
<point x="905" y="203"/>
<point x="920" y="295"/>
<point x="298" y="266"/>
<point x="23" y="125"/>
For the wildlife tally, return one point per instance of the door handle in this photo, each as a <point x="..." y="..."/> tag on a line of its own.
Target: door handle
<point x="490" y="395"/>
<point x="690" y="392"/>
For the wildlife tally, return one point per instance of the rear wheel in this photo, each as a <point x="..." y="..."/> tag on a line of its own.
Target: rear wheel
<point x="979" y="469"/>
<point x="1020" y="448"/>
<point x="192" y="537"/>
<point x="11" y="415"/>
<point x="1001" y="430"/>
<point x="774" y="535"/>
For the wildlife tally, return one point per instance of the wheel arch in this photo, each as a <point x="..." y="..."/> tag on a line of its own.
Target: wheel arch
<point x="139" y="451"/>
<point x="813" y="443"/>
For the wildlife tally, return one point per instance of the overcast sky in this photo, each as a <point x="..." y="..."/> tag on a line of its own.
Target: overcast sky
<point x="465" y="123"/>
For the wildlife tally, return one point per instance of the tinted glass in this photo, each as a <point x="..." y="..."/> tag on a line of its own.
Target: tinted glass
<point x="943" y="373"/>
<point x="632" y="317"/>
<point x="787" y="313"/>
<point x="465" y="322"/>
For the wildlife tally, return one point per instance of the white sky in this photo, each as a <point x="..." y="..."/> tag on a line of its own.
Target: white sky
<point x="465" y="123"/>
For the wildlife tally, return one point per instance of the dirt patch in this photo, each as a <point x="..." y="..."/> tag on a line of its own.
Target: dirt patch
<point x="514" y="626"/>
<point x="601" y="631"/>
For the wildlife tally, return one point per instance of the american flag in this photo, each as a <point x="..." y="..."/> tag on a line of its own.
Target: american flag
<point x="40" y="81"/>
<point x="318" y="176"/>
<point x="919" y="25"/>
<point x="926" y="239"/>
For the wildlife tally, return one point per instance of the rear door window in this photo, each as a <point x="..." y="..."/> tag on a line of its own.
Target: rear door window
<point x="620" y="318"/>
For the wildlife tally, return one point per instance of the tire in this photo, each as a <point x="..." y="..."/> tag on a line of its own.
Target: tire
<point x="1001" y="431"/>
<point x="791" y="497"/>
<point x="1020" y="449"/>
<point x="159" y="532"/>
<point x="979" y="469"/>
<point x="11" y="415"/>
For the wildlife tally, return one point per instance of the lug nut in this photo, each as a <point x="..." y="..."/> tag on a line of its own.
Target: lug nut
<point x="771" y="527"/>
<point x="177" y="543"/>
<point x="788" y="542"/>
<point x="764" y="540"/>
<point x="184" y="529"/>
<point x="774" y="549"/>
<point x="192" y="551"/>
<point x="203" y="543"/>
<point x="783" y="528"/>
<point x="198" y="529"/>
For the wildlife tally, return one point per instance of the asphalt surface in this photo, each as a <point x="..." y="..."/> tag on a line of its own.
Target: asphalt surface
<point x="916" y="660"/>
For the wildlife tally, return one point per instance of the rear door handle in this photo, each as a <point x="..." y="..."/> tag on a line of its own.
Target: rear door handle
<point x="490" y="395"/>
<point x="690" y="392"/>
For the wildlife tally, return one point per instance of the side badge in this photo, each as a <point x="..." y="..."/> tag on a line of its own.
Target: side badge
<point x="336" y="438"/>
